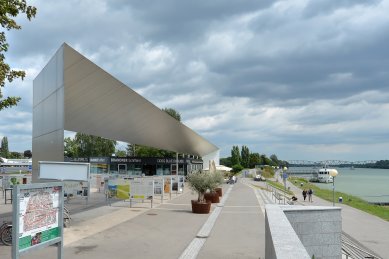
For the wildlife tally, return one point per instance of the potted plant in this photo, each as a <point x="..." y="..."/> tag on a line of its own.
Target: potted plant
<point x="214" y="191"/>
<point x="200" y="182"/>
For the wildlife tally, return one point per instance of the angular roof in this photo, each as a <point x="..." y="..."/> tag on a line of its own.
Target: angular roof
<point x="97" y="103"/>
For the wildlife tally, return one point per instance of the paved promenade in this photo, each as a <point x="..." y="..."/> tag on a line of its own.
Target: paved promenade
<point x="165" y="231"/>
<point x="234" y="229"/>
<point x="372" y="232"/>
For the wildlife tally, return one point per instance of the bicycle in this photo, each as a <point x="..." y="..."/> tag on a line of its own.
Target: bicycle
<point x="6" y="233"/>
<point x="66" y="217"/>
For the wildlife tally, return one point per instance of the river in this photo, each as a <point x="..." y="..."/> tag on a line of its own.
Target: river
<point x="369" y="184"/>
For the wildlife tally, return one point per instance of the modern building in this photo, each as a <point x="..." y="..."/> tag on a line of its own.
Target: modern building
<point x="72" y="93"/>
<point x="138" y="166"/>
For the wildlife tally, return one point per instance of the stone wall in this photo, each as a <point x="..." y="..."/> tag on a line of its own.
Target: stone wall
<point x="303" y="231"/>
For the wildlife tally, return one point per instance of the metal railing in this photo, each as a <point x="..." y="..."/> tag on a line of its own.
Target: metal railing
<point x="279" y="196"/>
<point x="353" y="250"/>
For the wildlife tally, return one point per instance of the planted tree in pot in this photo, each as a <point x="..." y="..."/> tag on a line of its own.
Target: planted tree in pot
<point x="214" y="190"/>
<point x="200" y="182"/>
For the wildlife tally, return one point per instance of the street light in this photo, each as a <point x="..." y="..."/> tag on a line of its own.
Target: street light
<point x="333" y="173"/>
<point x="284" y="176"/>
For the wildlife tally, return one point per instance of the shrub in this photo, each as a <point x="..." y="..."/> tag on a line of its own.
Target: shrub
<point x="237" y="168"/>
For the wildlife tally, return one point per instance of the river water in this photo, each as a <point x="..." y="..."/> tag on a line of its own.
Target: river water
<point x="369" y="184"/>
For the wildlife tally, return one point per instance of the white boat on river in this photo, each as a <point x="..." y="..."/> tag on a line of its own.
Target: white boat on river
<point x="323" y="175"/>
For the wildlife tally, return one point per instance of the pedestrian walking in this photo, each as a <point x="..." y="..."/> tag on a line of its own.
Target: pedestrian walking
<point x="310" y="192"/>
<point x="305" y="194"/>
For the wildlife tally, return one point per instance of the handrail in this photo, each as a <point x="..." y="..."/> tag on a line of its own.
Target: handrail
<point x="349" y="248"/>
<point x="278" y="194"/>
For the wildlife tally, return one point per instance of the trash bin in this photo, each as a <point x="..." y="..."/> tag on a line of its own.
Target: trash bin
<point x="301" y="184"/>
<point x="340" y="199"/>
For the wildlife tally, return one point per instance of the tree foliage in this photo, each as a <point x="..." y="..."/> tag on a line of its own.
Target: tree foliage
<point x="226" y="161"/>
<point x="84" y="145"/>
<point x="245" y="157"/>
<point x="274" y="158"/>
<point x="120" y="153"/>
<point x="255" y="159"/>
<point x="235" y="155"/>
<point x="9" y="9"/>
<point x="4" y="151"/>
<point x="27" y="153"/>
<point x="237" y="168"/>
<point x="250" y="160"/>
<point x="172" y="112"/>
<point x="15" y="155"/>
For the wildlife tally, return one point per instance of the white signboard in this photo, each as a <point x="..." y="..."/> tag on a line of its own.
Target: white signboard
<point x="141" y="188"/>
<point x="64" y="171"/>
<point x="158" y="185"/>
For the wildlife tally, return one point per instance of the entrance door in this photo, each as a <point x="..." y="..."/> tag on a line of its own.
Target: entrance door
<point x="173" y="169"/>
<point x="122" y="168"/>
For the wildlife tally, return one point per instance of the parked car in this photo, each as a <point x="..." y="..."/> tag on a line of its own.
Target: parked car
<point x="259" y="178"/>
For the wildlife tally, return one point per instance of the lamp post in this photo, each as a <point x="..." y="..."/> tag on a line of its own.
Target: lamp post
<point x="333" y="173"/>
<point x="284" y="176"/>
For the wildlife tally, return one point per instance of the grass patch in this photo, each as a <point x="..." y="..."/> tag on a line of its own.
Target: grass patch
<point x="350" y="200"/>
<point x="279" y="186"/>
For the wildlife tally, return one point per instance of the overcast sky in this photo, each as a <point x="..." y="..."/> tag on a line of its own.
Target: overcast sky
<point x="300" y="79"/>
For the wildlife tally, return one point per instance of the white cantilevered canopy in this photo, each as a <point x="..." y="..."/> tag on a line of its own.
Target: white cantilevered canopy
<point x="96" y="103"/>
<point x="72" y="93"/>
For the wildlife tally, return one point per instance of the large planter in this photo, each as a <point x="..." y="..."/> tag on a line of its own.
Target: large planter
<point x="212" y="197"/>
<point x="219" y="191"/>
<point x="200" y="207"/>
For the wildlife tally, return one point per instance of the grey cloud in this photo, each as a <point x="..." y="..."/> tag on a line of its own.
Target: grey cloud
<point x="204" y="57"/>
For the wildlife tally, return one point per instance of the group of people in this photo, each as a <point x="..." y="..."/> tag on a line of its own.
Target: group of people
<point x="232" y="179"/>
<point x="308" y="193"/>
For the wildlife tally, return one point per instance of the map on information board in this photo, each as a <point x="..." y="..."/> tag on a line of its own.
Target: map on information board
<point x="38" y="217"/>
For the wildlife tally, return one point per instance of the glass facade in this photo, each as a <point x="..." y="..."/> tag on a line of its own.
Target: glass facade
<point x="138" y="166"/>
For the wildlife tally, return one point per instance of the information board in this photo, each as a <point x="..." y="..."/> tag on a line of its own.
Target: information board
<point x="37" y="216"/>
<point x="142" y="188"/>
<point x="64" y="171"/>
<point x="158" y="185"/>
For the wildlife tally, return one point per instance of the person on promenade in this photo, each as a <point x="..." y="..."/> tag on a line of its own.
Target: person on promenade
<point x="305" y="194"/>
<point x="310" y="192"/>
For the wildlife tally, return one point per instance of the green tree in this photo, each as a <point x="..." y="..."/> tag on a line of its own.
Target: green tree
<point x="172" y="112"/>
<point x="15" y="155"/>
<point x="70" y="147"/>
<point x="4" y="152"/>
<point x="121" y="153"/>
<point x="237" y="168"/>
<point x="84" y="145"/>
<point x="235" y="155"/>
<point x="255" y="159"/>
<point x="245" y="157"/>
<point x="9" y="9"/>
<point x="274" y="158"/>
<point x="131" y="149"/>
<point x="267" y="161"/>
<point x="27" y="153"/>
<point x="226" y="161"/>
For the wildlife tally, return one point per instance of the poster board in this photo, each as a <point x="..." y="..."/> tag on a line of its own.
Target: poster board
<point x="64" y="171"/>
<point x="158" y="186"/>
<point x="142" y="188"/>
<point x="37" y="217"/>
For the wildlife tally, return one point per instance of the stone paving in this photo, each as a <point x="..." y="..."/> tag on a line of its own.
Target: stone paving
<point x="165" y="231"/>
